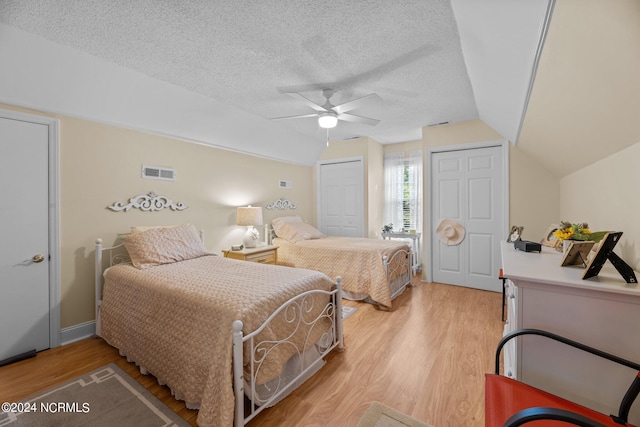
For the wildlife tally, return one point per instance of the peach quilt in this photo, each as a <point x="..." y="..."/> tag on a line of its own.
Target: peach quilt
<point x="175" y="320"/>
<point x="357" y="260"/>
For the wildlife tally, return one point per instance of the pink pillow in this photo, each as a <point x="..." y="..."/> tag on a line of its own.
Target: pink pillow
<point x="164" y="245"/>
<point x="297" y="231"/>
<point x="279" y="222"/>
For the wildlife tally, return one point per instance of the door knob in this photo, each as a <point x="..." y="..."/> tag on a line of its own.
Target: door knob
<point x="38" y="258"/>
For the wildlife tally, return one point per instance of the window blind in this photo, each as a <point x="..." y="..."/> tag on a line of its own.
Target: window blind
<point x="403" y="191"/>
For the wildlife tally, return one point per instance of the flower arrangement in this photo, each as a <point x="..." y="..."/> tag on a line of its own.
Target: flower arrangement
<point x="580" y="231"/>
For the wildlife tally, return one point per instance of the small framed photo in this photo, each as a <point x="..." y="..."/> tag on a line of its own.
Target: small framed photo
<point x="577" y="253"/>
<point x="549" y="239"/>
<point x="515" y="234"/>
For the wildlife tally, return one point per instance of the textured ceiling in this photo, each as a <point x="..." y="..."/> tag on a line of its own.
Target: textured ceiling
<point x="246" y="55"/>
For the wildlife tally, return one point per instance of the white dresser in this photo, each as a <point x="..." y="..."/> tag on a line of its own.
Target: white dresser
<point x="603" y="312"/>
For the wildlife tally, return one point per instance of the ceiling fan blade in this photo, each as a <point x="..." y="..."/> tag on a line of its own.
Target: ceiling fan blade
<point x="310" y="103"/>
<point x="358" y="119"/>
<point x="352" y="105"/>
<point x="295" y="117"/>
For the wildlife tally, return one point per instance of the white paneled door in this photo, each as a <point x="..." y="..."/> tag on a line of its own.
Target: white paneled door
<point x="24" y="227"/>
<point x="341" y="198"/>
<point x="468" y="187"/>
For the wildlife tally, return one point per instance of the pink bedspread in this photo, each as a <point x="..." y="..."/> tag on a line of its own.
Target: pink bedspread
<point x="175" y="320"/>
<point x="357" y="260"/>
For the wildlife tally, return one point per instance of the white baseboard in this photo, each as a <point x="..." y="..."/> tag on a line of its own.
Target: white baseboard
<point x="77" y="332"/>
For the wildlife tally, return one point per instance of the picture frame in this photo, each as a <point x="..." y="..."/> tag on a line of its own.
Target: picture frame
<point x="577" y="253"/>
<point x="604" y="253"/>
<point x="549" y="239"/>
<point x="515" y="233"/>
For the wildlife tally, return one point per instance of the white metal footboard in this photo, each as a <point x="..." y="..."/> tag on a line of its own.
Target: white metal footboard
<point x="297" y="312"/>
<point x="399" y="269"/>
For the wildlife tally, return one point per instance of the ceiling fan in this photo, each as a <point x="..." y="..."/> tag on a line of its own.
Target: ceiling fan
<point x="329" y="114"/>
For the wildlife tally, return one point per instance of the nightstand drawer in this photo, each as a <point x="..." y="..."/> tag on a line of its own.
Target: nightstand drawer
<point x="263" y="257"/>
<point x="261" y="254"/>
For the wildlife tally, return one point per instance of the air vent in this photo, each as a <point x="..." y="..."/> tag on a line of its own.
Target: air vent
<point x="285" y="184"/>
<point x="155" y="172"/>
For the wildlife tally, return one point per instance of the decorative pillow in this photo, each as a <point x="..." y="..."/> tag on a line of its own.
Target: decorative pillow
<point x="140" y="228"/>
<point x="277" y="223"/>
<point x="164" y="245"/>
<point x="297" y="231"/>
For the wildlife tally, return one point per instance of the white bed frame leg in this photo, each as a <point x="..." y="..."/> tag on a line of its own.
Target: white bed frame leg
<point x="339" y="314"/>
<point x="238" y="378"/>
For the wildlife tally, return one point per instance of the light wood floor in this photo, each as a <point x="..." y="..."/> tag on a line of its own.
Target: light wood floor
<point x="427" y="358"/>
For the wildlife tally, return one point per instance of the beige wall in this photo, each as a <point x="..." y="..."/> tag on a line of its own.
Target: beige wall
<point x="458" y="133"/>
<point x="101" y="164"/>
<point x="605" y="195"/>
<point x="403" y="147"/>
<point x="375" y="177"/>
<point x="534" y="195"/>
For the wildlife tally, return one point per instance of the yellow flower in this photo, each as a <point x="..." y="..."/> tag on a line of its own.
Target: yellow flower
<point x="564" y="234"/>
<point x="572" y="231"/>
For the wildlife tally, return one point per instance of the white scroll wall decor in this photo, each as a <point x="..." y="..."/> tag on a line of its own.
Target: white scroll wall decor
<point x="281" y="204"/>
<point x="148" y="202"/>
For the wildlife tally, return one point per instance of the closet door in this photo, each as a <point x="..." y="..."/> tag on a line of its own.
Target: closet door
<point x="341" y="197"/>
<point x="467" y="186"/>
<point x="24" y="254"/>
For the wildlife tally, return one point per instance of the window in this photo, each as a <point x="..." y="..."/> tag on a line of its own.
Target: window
<point x="403" y="191"/>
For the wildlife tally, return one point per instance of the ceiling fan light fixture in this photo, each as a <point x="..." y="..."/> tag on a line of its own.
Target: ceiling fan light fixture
<point x="327" y="120"/>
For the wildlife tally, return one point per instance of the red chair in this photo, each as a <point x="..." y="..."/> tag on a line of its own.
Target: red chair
<point x="510" y="403"/>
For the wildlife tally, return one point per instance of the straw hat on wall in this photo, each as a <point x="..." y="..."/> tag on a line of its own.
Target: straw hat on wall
<point x="450" y="232"/>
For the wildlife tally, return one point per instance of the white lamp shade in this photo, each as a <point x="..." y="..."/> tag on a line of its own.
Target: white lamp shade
<point x="327" y="121"/>
<point x="249" y="216"/>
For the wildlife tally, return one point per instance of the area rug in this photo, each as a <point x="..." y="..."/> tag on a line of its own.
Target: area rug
<point x="104" y="397"/>
<point x="379" y="415"/>
<point x="348" y="311"/>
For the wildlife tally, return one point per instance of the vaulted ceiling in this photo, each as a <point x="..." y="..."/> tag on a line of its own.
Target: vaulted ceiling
<point x="218" y="72"/>
<point x="585" y="103"/>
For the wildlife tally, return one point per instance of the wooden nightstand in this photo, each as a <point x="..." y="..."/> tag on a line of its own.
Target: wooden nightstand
<point x="261" y="254"/>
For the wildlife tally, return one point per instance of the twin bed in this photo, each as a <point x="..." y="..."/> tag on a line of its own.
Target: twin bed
<point x="228" y="337"/>
<point x="373" y="270"/>
<point x="231" y="337"/>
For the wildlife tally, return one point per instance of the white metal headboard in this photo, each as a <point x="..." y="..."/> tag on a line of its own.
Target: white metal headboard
<point x="115" y="255"/>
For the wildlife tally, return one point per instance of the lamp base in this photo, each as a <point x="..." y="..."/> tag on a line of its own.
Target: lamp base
<point x="251" y="237"/>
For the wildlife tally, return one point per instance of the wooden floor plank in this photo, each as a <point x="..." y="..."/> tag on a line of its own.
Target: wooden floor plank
<point x="427" y="358"/>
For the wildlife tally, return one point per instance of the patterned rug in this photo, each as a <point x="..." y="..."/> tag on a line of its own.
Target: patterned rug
<point x="104" y="397"/>
<point x="379" y="415"/>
